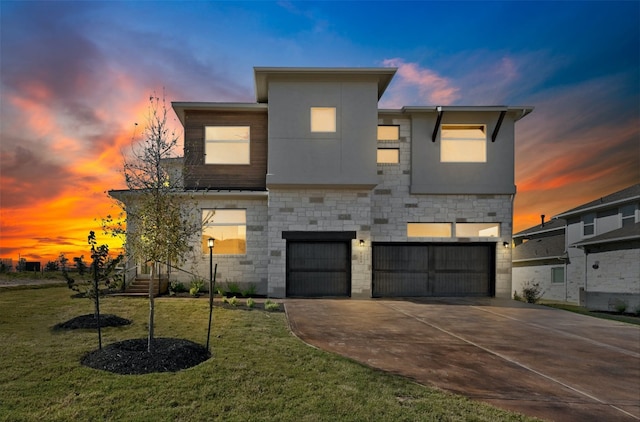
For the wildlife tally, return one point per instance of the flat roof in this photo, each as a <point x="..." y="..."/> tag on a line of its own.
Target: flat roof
<point x="264" y="74"/>
<point x="181" y="106"/>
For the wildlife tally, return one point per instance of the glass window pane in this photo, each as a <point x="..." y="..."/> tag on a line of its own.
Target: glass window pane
<point x="323" y="119"/>
<point x="226" y="133"/>
<point x="463" y="144"/>
<point x="388" y="155"/>
<point x="429" y="229"/>
<point x="388" y="133"/>
<point x="226" y="153"/>
<point x="228" y="228"/>
<point x="477" y="230"/>
<point x="557" y="275"/>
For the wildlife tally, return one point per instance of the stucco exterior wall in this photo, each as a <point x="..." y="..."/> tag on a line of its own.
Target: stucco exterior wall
<point x="298" y="156"/>
<point x="430" y="176"/>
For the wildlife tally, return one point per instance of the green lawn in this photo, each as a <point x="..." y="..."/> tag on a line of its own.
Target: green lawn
<point x="259" y="371"/>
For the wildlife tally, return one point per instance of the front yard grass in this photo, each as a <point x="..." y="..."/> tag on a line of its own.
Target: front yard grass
<point x="630" y="319"/>
<point x="259" y="370"/>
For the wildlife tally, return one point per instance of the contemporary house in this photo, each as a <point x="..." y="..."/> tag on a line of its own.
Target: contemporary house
<point x="315" y="191"/>
<point x="589" y="255"/>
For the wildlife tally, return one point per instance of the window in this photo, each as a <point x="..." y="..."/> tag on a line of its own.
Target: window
<point x="227" y="144"/>
<point x="428" y="229"/>
<point x="463" y="144"/>
<point x="388" y="133"/>
<point x="557" y="275"/>
<point x="477" y="230"/>
<point x="588" y="224"/>
<point x="323" y="119"/>
<point x="388" y="155"/>
<point x="628" y="215"/>
<point x="229" y="229"/>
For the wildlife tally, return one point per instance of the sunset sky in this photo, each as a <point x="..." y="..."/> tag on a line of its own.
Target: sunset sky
<point x="76" y="76"/>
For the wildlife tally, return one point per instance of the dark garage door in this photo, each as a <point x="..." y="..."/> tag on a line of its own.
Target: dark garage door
<point x="410" y="270"/>
<point x="318" y="268"/>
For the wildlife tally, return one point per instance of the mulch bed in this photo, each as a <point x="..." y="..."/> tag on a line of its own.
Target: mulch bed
<point x="130" y="357"/>
<point x="89" y="321"/>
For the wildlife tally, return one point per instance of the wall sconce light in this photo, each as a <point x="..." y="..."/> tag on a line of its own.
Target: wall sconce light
<point x="505" y="244"/>
<point x="361" y="242"/>
<point x="596" y="265"/>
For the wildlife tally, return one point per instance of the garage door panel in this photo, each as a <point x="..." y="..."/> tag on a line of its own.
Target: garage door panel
<point x="395" y="257"/>
<point x="318" y="268"/>
<point x="316" y="284"/>
<point x="433" y="270"/>
<point x="461" y="284"/>
<point x="401" y="284"/>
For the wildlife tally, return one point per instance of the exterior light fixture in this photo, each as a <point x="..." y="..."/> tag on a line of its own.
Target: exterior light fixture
<point x="361" y="242"/>
<point x="210" y="242"/>
<point x="505" y="244"/>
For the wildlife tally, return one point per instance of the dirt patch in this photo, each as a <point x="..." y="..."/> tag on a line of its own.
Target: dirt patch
<point x="130" y="357"/>
<point x="90" y="321"/>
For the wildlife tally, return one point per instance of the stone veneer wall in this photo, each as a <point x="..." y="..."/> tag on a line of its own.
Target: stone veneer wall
<point x="320" y="210"/>
<point x="247" y="269"/>
<point x="393" y="207"/>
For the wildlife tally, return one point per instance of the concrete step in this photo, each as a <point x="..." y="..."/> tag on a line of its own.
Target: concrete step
<point x="140" y="286"/>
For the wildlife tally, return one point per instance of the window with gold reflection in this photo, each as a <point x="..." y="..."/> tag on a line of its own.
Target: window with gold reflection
<point x="228" y="228"/>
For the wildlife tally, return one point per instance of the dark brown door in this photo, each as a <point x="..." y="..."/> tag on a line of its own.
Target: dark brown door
<point x="415" y="270"/>
<point x="318" y="268"/>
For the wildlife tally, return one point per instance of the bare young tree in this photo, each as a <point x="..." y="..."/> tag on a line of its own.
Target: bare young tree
<point x="161" y="220"/>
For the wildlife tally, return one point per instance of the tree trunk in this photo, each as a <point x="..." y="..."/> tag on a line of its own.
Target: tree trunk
<point x="151" y="307"/>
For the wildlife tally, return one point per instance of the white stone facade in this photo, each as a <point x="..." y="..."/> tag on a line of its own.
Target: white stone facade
<point x="317" y="210"/>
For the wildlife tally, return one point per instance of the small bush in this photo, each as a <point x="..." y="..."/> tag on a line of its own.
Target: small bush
<point x="621" y="306"/>
<point x="176" y="287"/>
<point x="196" y="286"/>
<point x="271" y="306"/>
<point x="233" y="301"/>
<point x="250" y="303"/>
<point x="517" y="297"/>
<point x="532" y="292"/>
<point x="250" y="291"/>
<point x="233" y="288"/>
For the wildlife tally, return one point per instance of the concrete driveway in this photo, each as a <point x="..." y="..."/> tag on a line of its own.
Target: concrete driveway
<point x="535" y="360"/>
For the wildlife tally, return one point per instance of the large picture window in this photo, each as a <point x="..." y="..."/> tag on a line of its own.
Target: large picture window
<point x="227" y="144"/>
<point x="463" y="144"/>
<point x="323" y="119"/>
<point x="229" y="229"/>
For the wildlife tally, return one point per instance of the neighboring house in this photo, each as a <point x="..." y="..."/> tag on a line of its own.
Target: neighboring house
<point x="317" y="192"/>
<point x="588" y="255"/>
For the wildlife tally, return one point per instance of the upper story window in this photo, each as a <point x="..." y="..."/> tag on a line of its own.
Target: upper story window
<point x="388" y="155"/>
<point x="227" y="144"/>
<point x="628" y="213"/>
<point x="589" y="224"/>
<point x="388" y="133"/>
<point x="323" y="119"/>
<point x="228" y="228"/>
<point x="463" y="144"/>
